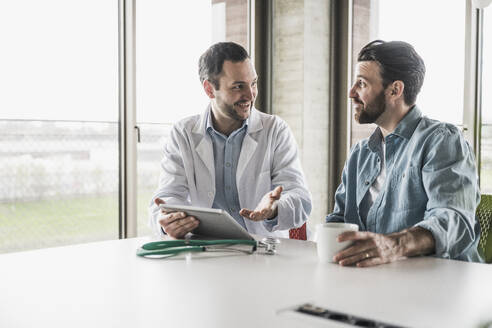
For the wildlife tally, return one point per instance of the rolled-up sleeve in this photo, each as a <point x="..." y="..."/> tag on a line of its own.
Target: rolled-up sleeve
<point x="450" y="180"/>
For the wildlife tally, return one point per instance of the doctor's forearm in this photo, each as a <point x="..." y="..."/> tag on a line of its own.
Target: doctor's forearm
<point x="294" y="209"/>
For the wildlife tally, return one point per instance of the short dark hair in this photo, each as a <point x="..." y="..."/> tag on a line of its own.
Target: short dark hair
<point x="212" y="60"/>
<point x="397" y="60"/>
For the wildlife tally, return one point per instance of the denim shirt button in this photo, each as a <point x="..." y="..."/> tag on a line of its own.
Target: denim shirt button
<point x="367" y="183"/>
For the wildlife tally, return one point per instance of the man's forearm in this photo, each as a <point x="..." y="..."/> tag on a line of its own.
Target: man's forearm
<point x="416" y="241"/>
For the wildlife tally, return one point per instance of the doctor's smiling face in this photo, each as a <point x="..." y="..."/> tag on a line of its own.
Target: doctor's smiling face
<point x="235" y="90"/>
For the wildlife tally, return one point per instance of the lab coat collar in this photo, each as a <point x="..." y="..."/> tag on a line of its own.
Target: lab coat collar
<point x="204" y="147"/>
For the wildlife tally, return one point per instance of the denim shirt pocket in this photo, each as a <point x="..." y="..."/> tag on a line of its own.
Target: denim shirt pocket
<point x="407" y="190"/>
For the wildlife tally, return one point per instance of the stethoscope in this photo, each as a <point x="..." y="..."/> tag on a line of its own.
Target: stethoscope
<point x="269" y="244"/>
<point x="169" y="248"/>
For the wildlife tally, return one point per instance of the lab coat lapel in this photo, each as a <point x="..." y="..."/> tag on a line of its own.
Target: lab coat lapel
<point x="206" y="153"/>
<point x="204" y="147"/>
<point x="249" y="144"/>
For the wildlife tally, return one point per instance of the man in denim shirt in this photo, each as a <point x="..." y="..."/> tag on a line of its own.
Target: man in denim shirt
<point x="411" y="187"/>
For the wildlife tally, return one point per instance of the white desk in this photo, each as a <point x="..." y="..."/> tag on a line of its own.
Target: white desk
<point x="105" y="285"/>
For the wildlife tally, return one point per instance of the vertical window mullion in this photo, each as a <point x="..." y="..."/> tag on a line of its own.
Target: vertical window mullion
<point x="471" y="71"/>
<point x="127" y="121"/>
<point x="478" y="90"/>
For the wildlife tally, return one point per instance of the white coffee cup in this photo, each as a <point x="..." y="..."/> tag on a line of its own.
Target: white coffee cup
<point x="326" y="239"/>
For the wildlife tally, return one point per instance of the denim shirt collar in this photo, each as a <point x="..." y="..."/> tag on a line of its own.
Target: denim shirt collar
<point x="404" y="129"/>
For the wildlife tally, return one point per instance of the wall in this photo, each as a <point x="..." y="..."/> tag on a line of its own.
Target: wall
<point x="300" y="87"/>
<point x="364" y="26"/>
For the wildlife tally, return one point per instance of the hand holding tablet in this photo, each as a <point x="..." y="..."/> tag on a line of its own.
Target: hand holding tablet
<point x="208" y="222"/>
<point x="176" y="224"/>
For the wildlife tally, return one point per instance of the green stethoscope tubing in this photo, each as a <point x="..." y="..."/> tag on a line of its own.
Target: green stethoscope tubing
<point x="175" y="247"/>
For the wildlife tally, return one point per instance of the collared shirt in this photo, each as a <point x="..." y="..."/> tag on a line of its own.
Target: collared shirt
<point x="376" y="187"/>
<point x="226" y="157"/>
<point x="431" y="182"/>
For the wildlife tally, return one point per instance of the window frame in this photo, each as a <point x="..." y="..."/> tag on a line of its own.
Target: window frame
<point x="260" y="29"/>
<point x="127" y="127"/>
<point x="472" y="114"/>
<point x="129" y="131"/>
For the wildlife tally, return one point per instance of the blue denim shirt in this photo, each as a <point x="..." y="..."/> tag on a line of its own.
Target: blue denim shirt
<point x="431" y="182"/>
<point x="226" y="157"/>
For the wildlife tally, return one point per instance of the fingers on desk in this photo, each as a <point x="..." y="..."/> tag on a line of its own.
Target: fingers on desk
<point x="356" y="248"/>
<point x="370" y="262"/>
<point x="366" y="257"/>
<point x="362" y="250"/>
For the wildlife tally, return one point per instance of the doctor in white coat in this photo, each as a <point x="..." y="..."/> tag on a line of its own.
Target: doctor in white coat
<point x="231" y="156"/>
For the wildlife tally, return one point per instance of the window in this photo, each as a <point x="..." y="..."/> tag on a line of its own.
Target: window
<point x="58" y="123"/>
<point x="486" y="115"/>
<point x="441" y="96"/>
<point x="449" y="45"/>
<point x="59" y="153"/>
<point x="168" y="87"/>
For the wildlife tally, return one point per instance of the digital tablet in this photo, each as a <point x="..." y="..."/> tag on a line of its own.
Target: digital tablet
<point x="214" y="222"/>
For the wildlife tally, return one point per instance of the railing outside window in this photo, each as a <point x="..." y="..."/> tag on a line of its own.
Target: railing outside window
<point x="59" y="180"/>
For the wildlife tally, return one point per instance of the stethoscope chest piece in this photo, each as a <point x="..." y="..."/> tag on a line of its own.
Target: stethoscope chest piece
<point x="269" y="244"/>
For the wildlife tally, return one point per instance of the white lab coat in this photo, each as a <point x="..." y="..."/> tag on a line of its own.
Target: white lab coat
<point x="268" y="158"/>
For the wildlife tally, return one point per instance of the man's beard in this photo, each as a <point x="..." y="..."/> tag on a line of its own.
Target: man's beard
<point x="372" y="111"/>
<point x="232" y="113"/>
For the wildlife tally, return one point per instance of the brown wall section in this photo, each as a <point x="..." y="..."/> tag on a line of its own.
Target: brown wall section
<point x="236" y="21"/>
<point x="364" y="30"/>
<point x="301" y="88"/>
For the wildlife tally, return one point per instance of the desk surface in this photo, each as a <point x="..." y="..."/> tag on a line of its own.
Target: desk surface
<point x="105" y="285"/>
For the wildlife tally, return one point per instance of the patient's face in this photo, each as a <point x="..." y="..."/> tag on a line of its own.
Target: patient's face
<point x="237" y="89"/>
<point x="367" y="93"/>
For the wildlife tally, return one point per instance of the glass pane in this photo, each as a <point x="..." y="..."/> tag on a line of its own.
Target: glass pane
<point x="168" y="87"/>
<point x="415" y="22"/>
<point x="58" y="143"/>
<point x="486" y="142"/>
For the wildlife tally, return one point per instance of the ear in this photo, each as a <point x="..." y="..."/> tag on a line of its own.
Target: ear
<point x="209" y="89"/>
<point x="396" y="89"/>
